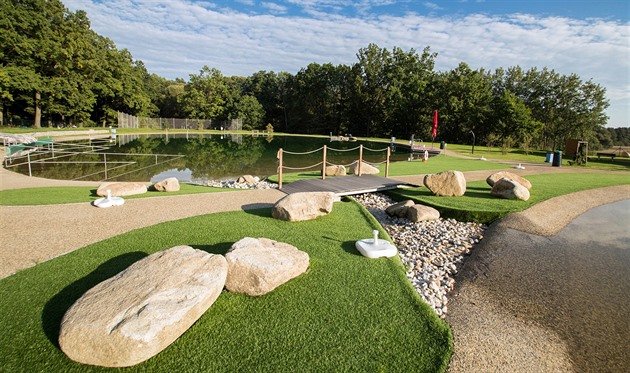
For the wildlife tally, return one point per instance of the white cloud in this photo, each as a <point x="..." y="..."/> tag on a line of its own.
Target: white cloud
<point x="176" y="38"/>
<point x="274" y="8"/>
<point x="432" y="6"/>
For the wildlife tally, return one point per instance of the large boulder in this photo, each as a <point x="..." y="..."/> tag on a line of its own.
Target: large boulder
<point x="134" y="315"/>
<point x="399" y="209"/>
<point x="121" y="189"/>
<point x="366" y="168"/>
<point x="303" y="206"/>
<point x="418" y="213"/>
<point x="257" y="266"/>
<point x="167" y="185"/>
<point x="508" y="175"/>
<point x="447" y="183"/>
<point x="509" y="189"/>
<point x="335" y="170"/>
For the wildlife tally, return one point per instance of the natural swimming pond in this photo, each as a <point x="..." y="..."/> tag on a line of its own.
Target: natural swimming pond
<point x="190" y="157"/>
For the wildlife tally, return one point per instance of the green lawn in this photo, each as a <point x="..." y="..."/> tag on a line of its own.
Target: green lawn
<point x="346" y="313"/>
<point x="515" y="155"/>
<point x="478" y="205"/>
<point x="56" y="195"/>
<point x="538" y="156"/>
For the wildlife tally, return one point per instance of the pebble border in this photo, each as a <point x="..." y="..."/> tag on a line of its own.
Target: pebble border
<point x="432" y="251"/>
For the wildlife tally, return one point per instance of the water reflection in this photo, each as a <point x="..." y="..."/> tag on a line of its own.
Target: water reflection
<point x="134" y="157"/>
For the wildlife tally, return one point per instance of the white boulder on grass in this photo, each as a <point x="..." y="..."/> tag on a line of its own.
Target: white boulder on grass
<point x="366" y="168"/>
<point x="121" y="189"/>
<point x="303" y="206"/>
<point x="170" y="184"/>
<point x="257" y="266"/>
<point x="139" y="312"/>
<point x="508" y="175"/>
<point x="447" y="183"/>
<point x="335" y="170"/>
<point x="509" y="189"/>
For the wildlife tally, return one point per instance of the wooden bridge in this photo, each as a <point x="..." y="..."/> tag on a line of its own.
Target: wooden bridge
<point x="345" y="185"/>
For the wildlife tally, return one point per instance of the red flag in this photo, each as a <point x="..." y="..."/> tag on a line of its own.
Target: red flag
<point x="435" y="124"/>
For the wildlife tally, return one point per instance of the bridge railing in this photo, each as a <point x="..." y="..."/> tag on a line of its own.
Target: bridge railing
<point x="324" y="149"/>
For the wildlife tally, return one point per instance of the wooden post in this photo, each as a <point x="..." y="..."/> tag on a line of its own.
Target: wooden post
<point x="28" y="156"/>
<point x="279" y="156"/>
<point x="387" y="162"/>
<point x="324" y="165"/>
<point x="360" y="158"/>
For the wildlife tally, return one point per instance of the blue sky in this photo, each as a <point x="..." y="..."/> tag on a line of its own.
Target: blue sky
<point x="578" y="9"/>
<point x="175" y="38"/>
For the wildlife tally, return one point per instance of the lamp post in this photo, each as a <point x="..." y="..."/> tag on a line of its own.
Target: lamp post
<point x="473" y="146"/>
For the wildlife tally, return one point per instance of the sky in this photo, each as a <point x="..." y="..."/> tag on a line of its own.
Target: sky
<point x="175" y="38"/>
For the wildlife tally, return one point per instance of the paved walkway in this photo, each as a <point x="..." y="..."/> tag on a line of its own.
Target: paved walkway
<point x="528" y="303"/>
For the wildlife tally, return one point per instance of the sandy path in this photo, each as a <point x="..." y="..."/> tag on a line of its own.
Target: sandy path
<point x="33" y="234"/>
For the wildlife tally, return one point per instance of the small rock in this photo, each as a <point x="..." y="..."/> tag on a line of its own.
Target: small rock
<point x="246" y="179"/>
<point x="418" y="213"/>
<point x="336" y="170"/>
<point x="366" y="168"/>
<point x="167" y="185"/>
<point x="508" y="175"/>
<point x="399" y="209"/>
<point x="509" y="189"/>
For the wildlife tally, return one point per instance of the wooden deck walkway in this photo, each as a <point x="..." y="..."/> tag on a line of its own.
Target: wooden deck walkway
<point x="344" y="185"/>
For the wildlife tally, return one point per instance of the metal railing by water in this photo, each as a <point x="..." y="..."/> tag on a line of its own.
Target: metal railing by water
<point x="58" y="153"/>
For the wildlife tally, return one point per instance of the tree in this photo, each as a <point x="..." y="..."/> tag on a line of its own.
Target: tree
<point x="463" y="97"/>
<point x="249" y="110"/>
<point x="205" y="95"/>
<point x="514" y="122"/>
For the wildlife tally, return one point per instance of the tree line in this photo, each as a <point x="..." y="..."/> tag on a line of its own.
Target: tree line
<point x="55" y="70"/>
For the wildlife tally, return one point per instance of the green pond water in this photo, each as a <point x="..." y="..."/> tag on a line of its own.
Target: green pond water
<point x="193" y="158"/>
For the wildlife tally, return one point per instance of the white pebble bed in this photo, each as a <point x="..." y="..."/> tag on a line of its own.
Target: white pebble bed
<point x="259" y="184"/>
<point x="432" y="251"/>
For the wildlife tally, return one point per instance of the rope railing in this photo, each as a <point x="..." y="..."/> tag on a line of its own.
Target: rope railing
<point x="344" y="150"/>
<point x="303" y="153"/>
<point x="324" y="162"/>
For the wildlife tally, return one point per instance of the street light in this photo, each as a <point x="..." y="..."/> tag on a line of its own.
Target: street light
<point x="473" y="146"/>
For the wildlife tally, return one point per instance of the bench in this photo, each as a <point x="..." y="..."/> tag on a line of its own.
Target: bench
<point x="605" y="154"/>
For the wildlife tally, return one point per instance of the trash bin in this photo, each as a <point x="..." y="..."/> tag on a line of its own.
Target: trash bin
<point x="557" y="158"/>
<point x="549" y="157"/>
<point x="442" y="145"/>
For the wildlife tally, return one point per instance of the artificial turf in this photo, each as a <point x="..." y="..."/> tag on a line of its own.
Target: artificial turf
<point x="58" y="195"/>
<point x="346" y="313"/>
<point x="477" y="204"/>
